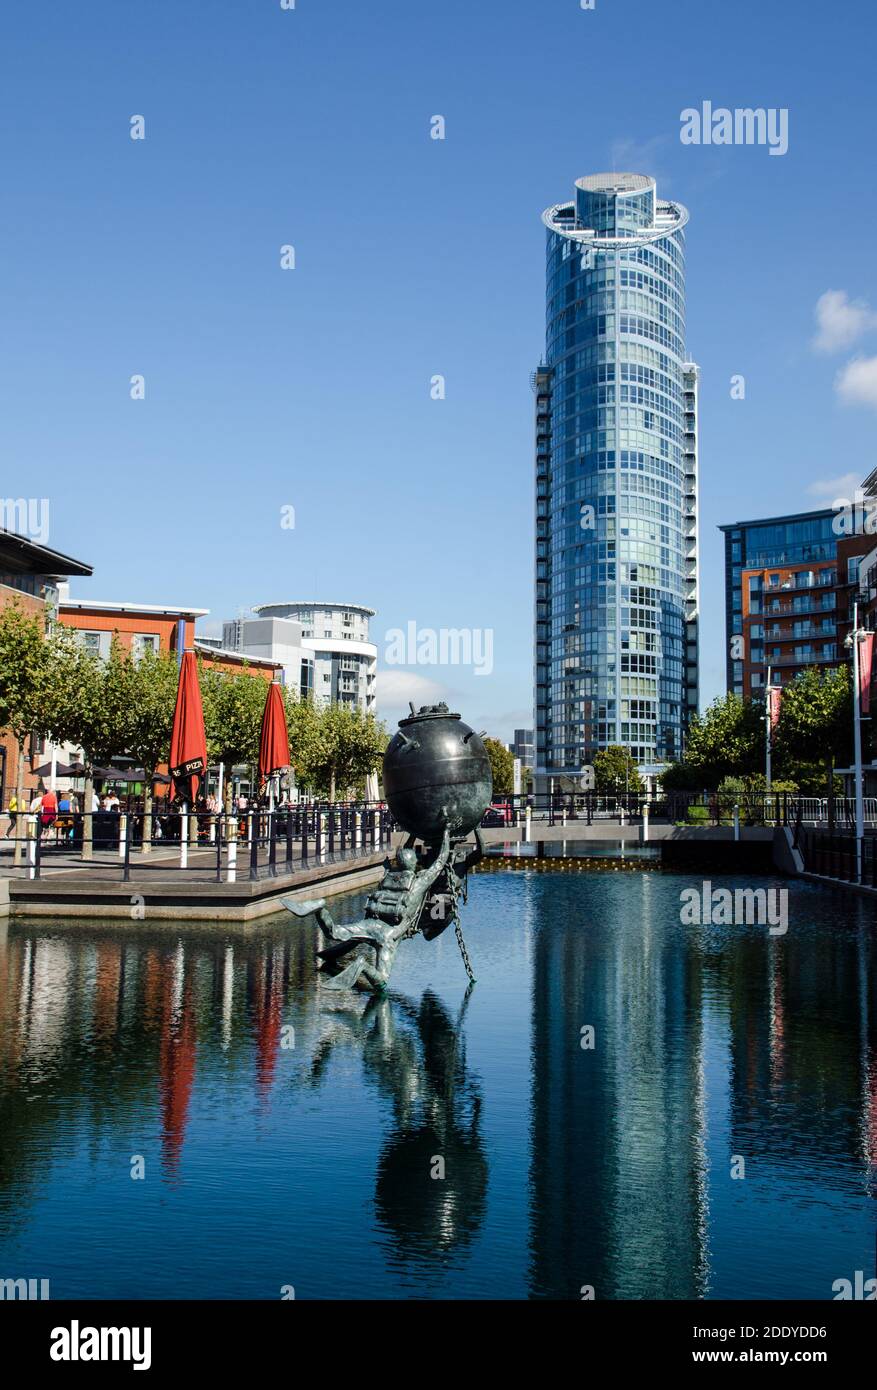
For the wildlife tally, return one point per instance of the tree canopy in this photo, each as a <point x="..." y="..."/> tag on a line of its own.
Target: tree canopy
<point x="502" y="765"/>
<point x="615" y="771"/>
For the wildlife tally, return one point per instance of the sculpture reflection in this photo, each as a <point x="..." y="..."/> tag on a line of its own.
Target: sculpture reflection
<point x="431" y="1184"/>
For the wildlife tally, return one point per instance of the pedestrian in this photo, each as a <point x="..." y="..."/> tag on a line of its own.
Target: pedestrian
<point x="65" y="815"/>
<point x="48" y="810"/>
<point x="13" y="815"/>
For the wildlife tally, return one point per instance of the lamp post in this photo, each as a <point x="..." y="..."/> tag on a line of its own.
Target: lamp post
<point x="767" y="731"/>
<point x="852" y="640"/>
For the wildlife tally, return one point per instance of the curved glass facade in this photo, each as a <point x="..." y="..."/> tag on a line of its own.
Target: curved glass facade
<point x="616" y="481"/>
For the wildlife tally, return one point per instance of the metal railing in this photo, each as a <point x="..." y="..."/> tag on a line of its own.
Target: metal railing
<point x="679" y="808"/>
<point x="834" y="856"/>
<point x="255" y="843"/>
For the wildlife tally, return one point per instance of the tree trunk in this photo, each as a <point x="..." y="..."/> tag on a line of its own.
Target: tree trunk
<point x="146" y="837"/>
<point x="332" y="785"/>
<point x="829" y="771"/>
<point x="20" y="819"/>
<point x="87" y="820"/>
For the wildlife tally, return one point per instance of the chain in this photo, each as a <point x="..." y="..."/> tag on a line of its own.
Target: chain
<point x="458" y="929"/>
<point x="455" y="918"/>
<point x="463" y="952"/>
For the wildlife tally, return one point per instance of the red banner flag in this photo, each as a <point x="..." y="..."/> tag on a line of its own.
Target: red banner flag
<point x="866" y="658"/>
<point x="774" y="695"/>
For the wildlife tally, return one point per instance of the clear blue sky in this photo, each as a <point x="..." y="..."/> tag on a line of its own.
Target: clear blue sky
<point x="310" y="387"/>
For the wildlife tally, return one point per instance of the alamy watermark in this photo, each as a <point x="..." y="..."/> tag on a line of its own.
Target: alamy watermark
<point x="740" y="907"/>
<point x="745" y="125"/>
<point x="12" y="1290"/>
<point x="77" y="1343"/>
<point x="26" y="516"/>
<point x="854" y="516"/>
<point x="858" y="1288"/>
<point x="444" y="646"/>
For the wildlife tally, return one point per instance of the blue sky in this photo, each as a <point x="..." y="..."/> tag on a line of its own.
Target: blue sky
<point x="310" y="388"/>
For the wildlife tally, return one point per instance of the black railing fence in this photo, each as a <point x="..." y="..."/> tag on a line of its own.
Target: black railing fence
<point x="259" y="842"/>
<point x="683" y="808"/>
<point x="254" y="843"/>
<point x="833" y="855"/>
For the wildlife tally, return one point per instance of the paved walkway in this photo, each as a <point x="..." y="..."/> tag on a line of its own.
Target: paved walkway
<point x="162" y="863"/>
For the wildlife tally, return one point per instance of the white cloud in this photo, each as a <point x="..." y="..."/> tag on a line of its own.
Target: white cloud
<point x="844" y="486"/>
<point x="639" y="156"/>
<point x="396" y="687"/>
<point x="856" y="383"/>
<point x="841" y="320"/>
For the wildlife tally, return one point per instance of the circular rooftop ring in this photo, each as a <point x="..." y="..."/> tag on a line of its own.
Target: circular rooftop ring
<point x="669" y="218"/>
<point x="616" y="183"/>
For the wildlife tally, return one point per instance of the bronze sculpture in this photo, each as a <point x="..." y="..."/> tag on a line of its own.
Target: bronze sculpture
<point x="438" y="784"/>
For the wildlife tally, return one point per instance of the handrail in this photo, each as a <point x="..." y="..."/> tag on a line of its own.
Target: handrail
<point x="279" y="842"/>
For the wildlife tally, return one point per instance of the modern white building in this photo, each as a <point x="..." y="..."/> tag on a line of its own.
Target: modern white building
<point x="324" y="648"/>
<point x="616" y="612"/>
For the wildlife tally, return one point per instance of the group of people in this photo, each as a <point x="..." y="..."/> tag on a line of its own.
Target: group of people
<point x="57" y="810"/>
<point x="53" y="808"/>
<point x="61" y="811"/>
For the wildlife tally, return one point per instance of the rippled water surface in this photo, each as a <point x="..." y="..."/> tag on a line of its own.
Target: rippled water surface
<point x="435" y="1145"/>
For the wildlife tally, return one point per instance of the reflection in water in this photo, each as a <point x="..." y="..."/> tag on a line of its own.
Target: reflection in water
<point x="432" y="1173"/>
<point x="293" y="1136"/>
<point x="617" y="1129"/>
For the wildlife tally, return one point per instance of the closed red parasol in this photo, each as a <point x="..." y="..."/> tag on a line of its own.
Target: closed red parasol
<point x="274" y="738"/>
<point x="188" y="759"/>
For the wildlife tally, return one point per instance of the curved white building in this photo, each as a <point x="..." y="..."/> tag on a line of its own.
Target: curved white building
<point x="323" y="647"/>
<point x="616" y="622"/>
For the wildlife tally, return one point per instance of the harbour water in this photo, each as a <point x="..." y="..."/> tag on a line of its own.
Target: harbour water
<point x="623" y="1103"/>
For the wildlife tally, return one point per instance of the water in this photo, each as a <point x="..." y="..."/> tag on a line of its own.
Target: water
<point x="288" y="1139"/>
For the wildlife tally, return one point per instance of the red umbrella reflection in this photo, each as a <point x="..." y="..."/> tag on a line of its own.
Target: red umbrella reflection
<point x="176" y="1060"/>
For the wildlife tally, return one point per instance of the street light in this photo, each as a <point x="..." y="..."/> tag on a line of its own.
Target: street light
<point x="851" y="642"/>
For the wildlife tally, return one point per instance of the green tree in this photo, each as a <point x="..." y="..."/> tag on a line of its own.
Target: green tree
<point x="24" y="682"/>
<point x="234" y="703"/>
<point x="726" y="741"/>
<point x="89" y="705"/>
<point x="815" y="722"/>
<point x="303" y="725"/>
<point x="348" y="746"/>
<point x="502" y="766"/>
<point x="615" y="771"/>
<point x="152" y="694"/>
<point x="681" y="777"/>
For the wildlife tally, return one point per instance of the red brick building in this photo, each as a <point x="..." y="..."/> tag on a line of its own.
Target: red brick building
<point x="31" y="575"/>
<point x="790" y="621"/>
<point x="138" y="626"/>
<point x="155" y="627"/>
<point x="35" y="578"/>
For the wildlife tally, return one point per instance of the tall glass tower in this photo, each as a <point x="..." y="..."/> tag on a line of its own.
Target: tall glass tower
<point x="616" y="483"/>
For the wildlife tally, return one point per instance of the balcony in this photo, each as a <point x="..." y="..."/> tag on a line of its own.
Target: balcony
<point x="813" y="659"/>
<point x="809" y="605"/>
<point x="806" y="633"/>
